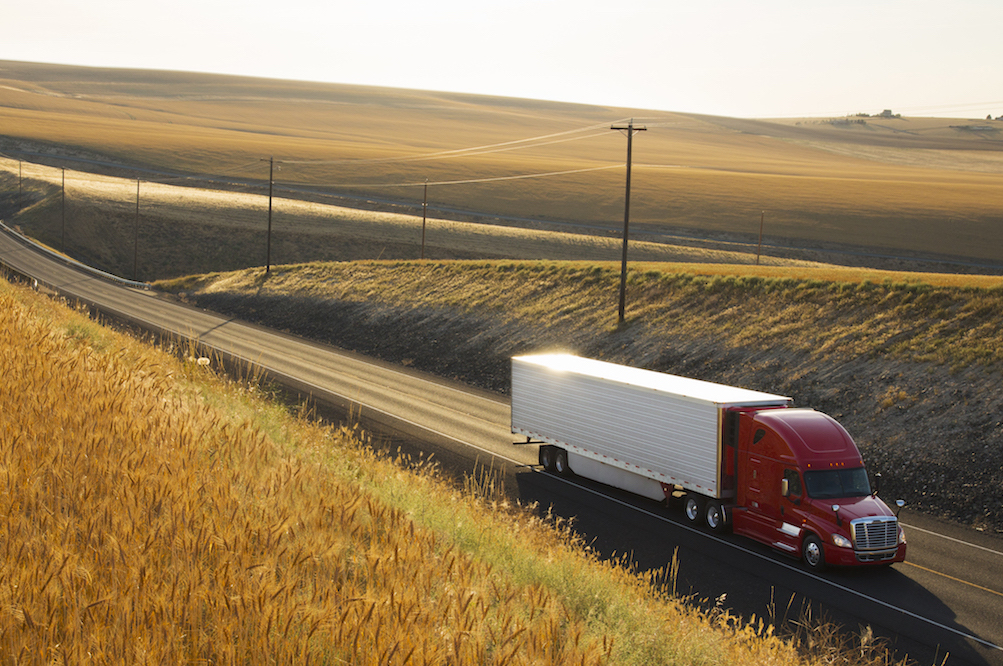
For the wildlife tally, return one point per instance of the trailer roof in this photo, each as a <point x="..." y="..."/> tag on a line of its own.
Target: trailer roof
<point x="697" y="389"/>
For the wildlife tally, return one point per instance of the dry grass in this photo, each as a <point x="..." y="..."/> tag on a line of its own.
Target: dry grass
<point x="907" y="184"/>
<point x="157" y="513"/>
<point x="822" y="312"/>
<point x="146" y="524"/>
<point x="187" y="230"/>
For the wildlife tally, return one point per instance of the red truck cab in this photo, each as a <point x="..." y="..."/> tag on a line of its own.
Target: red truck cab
<point x="800" y="486"/>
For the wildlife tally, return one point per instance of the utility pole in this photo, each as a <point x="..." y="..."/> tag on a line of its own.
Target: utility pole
<point x="626" y="213"/>
<point x="759" y="250"/>
<point x="268" y="253"/>
<point x="63" y="236"/>
<point x="135" y="249"/>
<point x="424" y="212"/>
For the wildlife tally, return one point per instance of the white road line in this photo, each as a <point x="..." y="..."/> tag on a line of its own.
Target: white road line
<point x="322" y="390"/>
<point x="944" y="536"/>
<point x="799" y="570"/>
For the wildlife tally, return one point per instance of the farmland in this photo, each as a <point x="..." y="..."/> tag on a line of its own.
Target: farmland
<point x="902" y="186"/>
<point x="185" y="230"/>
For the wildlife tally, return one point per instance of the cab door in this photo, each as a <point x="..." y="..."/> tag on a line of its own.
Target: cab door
<point x="790" y="521"/>
<point x="778" y="521"/>
<point x="768" y="513"/>
<point x="753" y="517"/>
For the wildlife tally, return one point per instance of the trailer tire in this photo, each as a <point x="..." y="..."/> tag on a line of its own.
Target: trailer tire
<point x="714" y="516"/>
<point x="547" y="458"/>
<point x="561" y="466"/>
<point x="693" y="509"/>
<point x="813" y="553"/>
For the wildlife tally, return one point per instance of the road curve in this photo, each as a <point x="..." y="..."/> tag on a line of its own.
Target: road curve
<point x="947" y="597"/>
<point x="377" y="392"/>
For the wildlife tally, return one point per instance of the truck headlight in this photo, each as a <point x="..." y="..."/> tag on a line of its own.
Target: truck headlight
<point x="841" y="541"/>
<point x="901" y="535"/>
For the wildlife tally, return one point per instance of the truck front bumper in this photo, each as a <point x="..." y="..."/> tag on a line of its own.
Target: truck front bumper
<point x="844" y="557"/>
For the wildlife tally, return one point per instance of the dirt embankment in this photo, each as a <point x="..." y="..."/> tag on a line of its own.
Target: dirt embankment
<point x="933" y="431"/>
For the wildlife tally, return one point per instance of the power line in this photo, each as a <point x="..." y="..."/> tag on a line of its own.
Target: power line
<point x="467" y="181"/>
<point x="245" y="167"/>
<point x="486" y="180"/>
<point x="516" y="144"/>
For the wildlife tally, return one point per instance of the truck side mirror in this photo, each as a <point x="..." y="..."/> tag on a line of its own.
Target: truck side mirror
<point x="785" y="487"/>
<point x="877" y="484"/>
<point x="899" y="503"/>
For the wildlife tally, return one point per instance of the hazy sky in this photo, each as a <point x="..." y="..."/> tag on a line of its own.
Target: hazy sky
<point x="749" y="58"/>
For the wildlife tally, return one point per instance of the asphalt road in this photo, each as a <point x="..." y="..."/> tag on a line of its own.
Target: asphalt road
<point x="946" y="600"/>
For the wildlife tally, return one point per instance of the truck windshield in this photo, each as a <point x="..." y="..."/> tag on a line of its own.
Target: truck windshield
<point x="832" y="483"/>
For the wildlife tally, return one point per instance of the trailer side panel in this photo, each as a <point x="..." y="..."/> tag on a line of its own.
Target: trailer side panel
<point x="659" y="426"/>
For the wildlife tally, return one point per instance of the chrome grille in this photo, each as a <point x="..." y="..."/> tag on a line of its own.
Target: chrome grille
<point x="875" y="533"/>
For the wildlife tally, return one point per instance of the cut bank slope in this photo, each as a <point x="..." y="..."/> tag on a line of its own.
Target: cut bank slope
<point x="909" y="364"/>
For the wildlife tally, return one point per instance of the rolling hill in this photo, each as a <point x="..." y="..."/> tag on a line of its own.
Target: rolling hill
<point x="864" y="185"/>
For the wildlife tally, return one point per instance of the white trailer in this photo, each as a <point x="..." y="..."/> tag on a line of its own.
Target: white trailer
<point x="642" y="431"/>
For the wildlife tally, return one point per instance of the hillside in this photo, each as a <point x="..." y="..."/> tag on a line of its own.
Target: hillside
<point x="158" y="513"/>
<point x="908" y="363"/>
<point x="185" y="230"/>
<point x="904" y="187"/>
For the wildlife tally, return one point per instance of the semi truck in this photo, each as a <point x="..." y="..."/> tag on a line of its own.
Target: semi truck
<point x="736" y="459"/>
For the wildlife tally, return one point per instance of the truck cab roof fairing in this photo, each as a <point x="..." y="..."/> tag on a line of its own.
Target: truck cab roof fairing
<point x="812" y="436"/>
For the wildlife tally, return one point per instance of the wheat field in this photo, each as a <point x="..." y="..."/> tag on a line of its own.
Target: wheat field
<point x="158" y="513"/>
<point x="144" y="524"/>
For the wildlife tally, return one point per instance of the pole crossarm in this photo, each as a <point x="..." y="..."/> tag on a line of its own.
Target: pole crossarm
<point x="630" y="127"/>
<point x="631" y="130"/>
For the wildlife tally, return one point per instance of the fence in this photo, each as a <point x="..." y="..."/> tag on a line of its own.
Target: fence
<point x="148" y="229"/>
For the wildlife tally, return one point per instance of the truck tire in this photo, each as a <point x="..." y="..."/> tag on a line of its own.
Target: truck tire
<point x="547" y="458"/>
<point x="813" y="553"/>
<point x="693" y="509"/>
<point x="561" y="466"/>
<point x="714" y="516"/>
